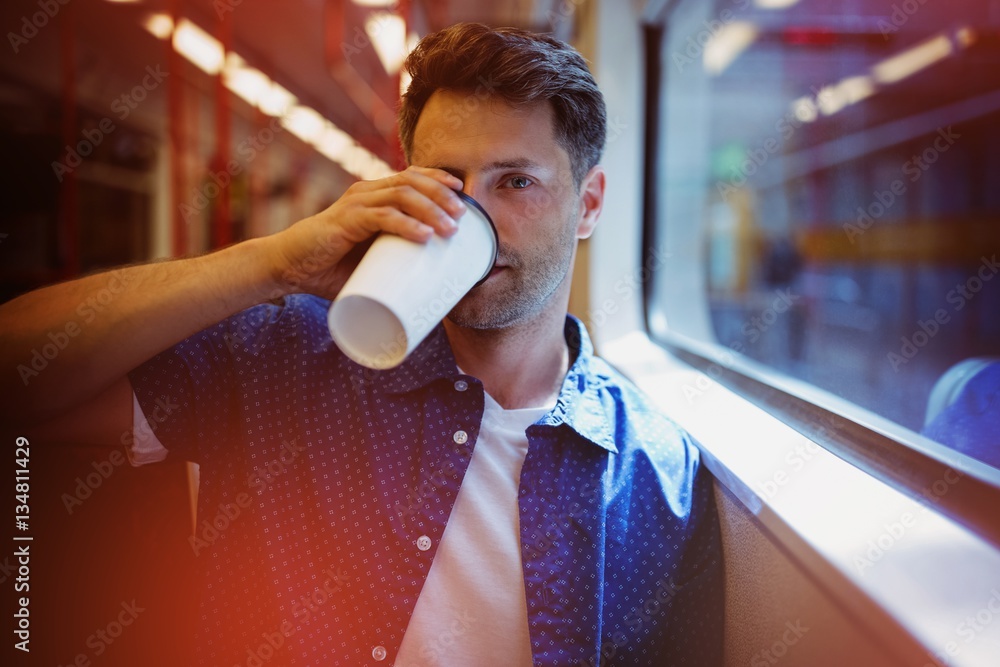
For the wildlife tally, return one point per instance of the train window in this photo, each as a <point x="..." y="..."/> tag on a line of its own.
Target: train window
<point x="827" y="178"/>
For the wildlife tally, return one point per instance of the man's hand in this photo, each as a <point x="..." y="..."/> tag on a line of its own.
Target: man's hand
<point x="316" y="255"/>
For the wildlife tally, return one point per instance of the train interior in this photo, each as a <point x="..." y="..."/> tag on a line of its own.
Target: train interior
<point x="796" y="260"/>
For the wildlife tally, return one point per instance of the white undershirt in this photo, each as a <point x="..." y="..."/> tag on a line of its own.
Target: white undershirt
<point x="472" y="610"/>
<point x="146" y="447"/>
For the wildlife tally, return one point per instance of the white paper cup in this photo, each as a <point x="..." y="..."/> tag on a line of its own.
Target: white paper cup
<point x="402" y="289"/>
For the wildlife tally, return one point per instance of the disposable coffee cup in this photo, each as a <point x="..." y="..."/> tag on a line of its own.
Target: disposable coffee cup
<point x="401" y="289"/>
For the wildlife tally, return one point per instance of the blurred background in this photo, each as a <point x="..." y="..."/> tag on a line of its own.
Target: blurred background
<point x="839" y="164"/>
<point x="155" y="128"/>
<point x="809" y="186"/>
<point x="138" y="130"/>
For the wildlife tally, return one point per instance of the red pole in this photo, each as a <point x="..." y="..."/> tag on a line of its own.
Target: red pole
<point x="258" y="181"/>
<point x="175" y="91"/>
<point x="68" y="237"/>
<point x="222" y="224"/>
<point x="357" y="88"/>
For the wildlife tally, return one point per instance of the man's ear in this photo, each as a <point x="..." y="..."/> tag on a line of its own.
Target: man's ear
<point x="591" y="201"/>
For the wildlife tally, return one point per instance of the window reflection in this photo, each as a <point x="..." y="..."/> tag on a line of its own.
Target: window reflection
<point x="849" y="197"/>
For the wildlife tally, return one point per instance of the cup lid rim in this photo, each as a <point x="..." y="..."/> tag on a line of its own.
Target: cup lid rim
<point x="496" y="237"/>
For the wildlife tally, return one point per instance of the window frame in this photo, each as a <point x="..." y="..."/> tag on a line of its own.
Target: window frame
<point x="889" y="452"/>
<point x="743" y="443"/>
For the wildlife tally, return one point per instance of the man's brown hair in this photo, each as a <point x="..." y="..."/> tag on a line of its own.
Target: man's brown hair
<point x="518" y="67"/>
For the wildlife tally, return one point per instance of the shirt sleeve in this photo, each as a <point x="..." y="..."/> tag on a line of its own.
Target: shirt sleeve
<point x="195" y="394"/>
<point x="190" y="393"/>
<point x="699" y="602"/>
<point x="186" y="391"/>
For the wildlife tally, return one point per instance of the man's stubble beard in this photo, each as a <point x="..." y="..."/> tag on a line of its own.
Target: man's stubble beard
<point x="520" y="293"/>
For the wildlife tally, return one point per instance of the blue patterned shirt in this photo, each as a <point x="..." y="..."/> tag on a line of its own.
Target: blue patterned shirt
<point x="326" y="488"/>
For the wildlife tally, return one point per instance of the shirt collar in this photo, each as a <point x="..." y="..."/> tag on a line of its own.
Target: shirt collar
<point x="579" y="405"/>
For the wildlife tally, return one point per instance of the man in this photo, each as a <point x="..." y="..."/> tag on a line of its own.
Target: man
<point x="501" y="498"/>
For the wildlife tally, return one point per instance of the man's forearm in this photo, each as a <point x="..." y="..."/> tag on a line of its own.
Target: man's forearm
<point x="61" y="345"/>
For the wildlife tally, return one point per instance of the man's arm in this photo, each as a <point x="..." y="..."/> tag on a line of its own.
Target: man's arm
<point x="92" y="331"/>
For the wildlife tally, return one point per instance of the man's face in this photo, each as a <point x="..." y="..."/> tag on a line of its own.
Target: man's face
<point x="510" y="163"/>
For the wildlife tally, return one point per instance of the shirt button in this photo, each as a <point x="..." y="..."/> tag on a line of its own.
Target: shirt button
<point x="379" y="653"/>
<point x="460" y="437"/>
<point x="423" y="543"/>
<point x="461" y="385"/>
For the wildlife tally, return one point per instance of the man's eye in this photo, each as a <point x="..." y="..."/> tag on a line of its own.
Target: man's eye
<point x="518" y="182"/>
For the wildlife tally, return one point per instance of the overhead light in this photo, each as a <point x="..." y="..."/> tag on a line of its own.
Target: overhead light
<point x="965" y="36"/>
<point x="203" y="50"/>
<point x="829" y="101"/>
<point x="375" y="3"/>
<point x="339" y="147"/>
<point x="333" y="142"/>
<point x="851" y="90"/>
<point x="726" y="45"/>
<point x="257" y="89"/>
<point x="775" y="4"/>
<point x="387" y="32"/>
<point x="914" y="59"/>
<point x="160" y="25"/>
<point x="805" y="109"/>
<point x="304" y="122"/>
<point x="856" y="88"/>
<point x="358" y="161"/>
<point x="308" y="125"/>
<point x="248" y="83"/>
<point x="276" y="100"/>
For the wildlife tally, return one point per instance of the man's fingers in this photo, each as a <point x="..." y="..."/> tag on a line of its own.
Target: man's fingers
<point x="449" y="180"/>
<point x="394" y="221"/>
<point x="436" y="185"/>
<point x="413" y="203"/>
<point x="429" y="182"/>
